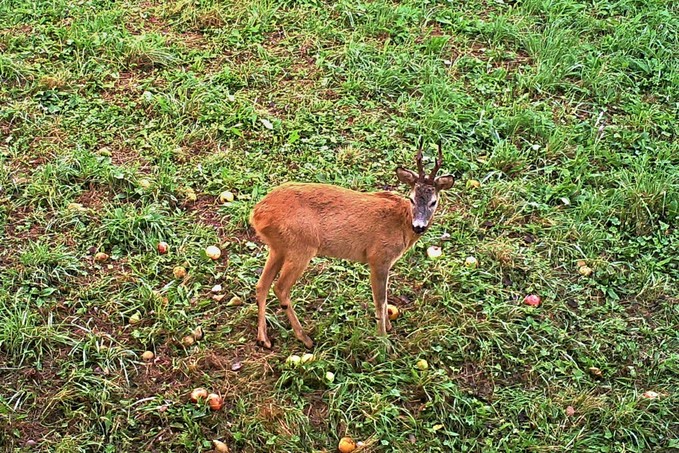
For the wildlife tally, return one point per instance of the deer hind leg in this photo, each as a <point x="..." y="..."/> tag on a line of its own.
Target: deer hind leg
<point x="271" y="268"/>
<point x="291" y="271"/>
<point x="379" y="277"/>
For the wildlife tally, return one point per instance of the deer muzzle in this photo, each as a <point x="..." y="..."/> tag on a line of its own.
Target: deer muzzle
<point x="419" y="226"/>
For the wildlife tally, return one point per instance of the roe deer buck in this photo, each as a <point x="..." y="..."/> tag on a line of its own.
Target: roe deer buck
<point x="299" y="221"/>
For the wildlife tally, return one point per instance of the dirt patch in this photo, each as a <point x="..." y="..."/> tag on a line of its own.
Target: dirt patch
<point x="55" y="136"/>
<point x="193" y="148"/>
<point x="17" y="30"/>
<point x="94" y="197"/>
<point x="509" y="62"/>
<point x="153" y="23"/>
<point x="29" y="422"/>
<point x="161" y="376"/>
<point x="127" y="84"/>
<point x="127" y="156"/>
<point x="192" y="40"/>
<point x="21" y="217"/>
<point x="317" y="410"/>
<point x="148" y="22"/>
<point x="270" y="411"/>
<point x="23" y="29"/>
<point x="475" y="380"/>
<point x="205" y="210"/>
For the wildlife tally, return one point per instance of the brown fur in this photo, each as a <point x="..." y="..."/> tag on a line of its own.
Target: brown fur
<point x="379" y="230"/>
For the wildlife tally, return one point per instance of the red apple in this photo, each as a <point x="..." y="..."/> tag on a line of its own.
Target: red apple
<point x="214" y="401"/>
<point x="163" y="248"/>
<point x="532" y="299"/>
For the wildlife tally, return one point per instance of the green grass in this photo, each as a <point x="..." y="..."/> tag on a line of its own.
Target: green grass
<point x="121" y="122"/>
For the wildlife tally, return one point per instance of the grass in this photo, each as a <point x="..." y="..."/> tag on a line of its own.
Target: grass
<point x="121" y="122"/>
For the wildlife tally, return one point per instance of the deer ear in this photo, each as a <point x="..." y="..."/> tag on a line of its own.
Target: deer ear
<point x="406" y="176"/>
<point x="444" y="182"/>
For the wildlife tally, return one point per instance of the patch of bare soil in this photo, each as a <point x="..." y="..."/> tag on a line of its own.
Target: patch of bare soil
<point x="20" y="217"/>
<point x="317" y="410"/>
<point x="192" y="148"/>
<point x="479" y="51"/>
<point x="29" y="422"/>
<point x="474" y="379"/>
<point x="94" y="197"/>
<point x="205" y="210"/>
<point x="127" y="156"/>
<point x="127" y="84"/>
<point x="153" y="23"/>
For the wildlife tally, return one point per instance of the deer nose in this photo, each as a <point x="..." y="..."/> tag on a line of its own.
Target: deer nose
<point x="419" y="229"/>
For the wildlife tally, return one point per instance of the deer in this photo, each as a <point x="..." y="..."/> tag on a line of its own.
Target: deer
<point x="298" y="221"/>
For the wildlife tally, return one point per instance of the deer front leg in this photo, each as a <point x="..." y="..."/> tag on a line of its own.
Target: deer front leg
<point x="379" y="276"/>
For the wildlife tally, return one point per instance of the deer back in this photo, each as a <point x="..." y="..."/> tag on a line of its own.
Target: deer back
<point x="334" y="221"/>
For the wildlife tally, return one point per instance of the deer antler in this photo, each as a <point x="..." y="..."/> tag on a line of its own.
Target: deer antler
<point x="437" y="166"/>
<point x="420" y="167"/>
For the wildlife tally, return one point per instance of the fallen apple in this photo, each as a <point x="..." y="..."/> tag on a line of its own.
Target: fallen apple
<point x="392" y="311"/>
<point x="198" y="394"/>
<point x="346" y="445"/>
<point x="179" y="272"/>
<point x="422" y="365"/>
<point x="330" y="376"/>
<point x="470" y="261"/>
<point x="101" y="257"/>
<point x="473" y="184"/>
<point x="532" y="299"/>
<point x="235" y="302"/>
<point x="293" y="360"/>
<point x="214" y="401"/>
<point x="188" y="340"/>
<point x="147" y="356"/>
<point x="307" y="358"/>
<point x="585" y="271"/>
<point x="163" y="247"/>
<point x="220" y="446"/>
<point x="213" y="252"/>
<point x="226" y="197"/>
<point x="434" y="252"/>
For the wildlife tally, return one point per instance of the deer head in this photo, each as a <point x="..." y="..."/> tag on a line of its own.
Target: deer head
<point x="424" y="190"/>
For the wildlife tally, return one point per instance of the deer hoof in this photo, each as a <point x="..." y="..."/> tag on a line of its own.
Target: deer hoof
<point x="265" y="343"/>
<point x="308" y="342"/>
<point x="387" y="326"/>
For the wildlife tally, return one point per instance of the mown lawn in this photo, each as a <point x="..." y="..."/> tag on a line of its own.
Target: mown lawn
<point x="121" y="122"/>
